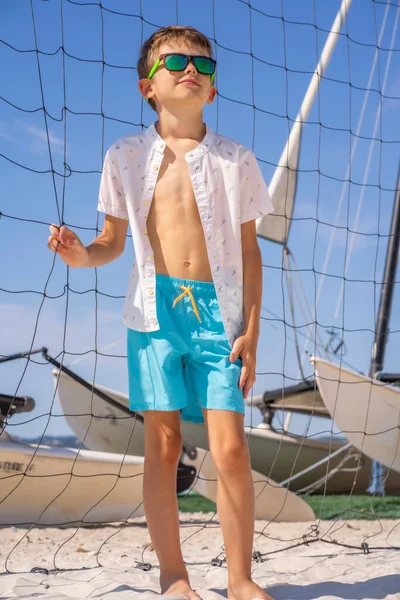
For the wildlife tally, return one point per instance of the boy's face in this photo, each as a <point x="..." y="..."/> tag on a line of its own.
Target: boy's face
<point x="184" y="88"/>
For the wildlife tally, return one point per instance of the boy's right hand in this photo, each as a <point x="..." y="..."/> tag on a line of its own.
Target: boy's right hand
<point x="67" y="244"/>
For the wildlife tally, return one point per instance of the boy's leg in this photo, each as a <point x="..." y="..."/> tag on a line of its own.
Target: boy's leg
<point x="163" y="447"/>
<point x="235" y="499"/>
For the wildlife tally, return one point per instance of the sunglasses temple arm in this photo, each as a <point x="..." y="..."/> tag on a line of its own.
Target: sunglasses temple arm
<point x="154" y="69"/>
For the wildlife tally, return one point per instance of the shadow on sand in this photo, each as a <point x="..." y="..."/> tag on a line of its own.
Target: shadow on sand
<point x="374" y="589"/>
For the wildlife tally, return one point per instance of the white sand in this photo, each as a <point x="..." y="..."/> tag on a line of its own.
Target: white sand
<point x="101" y="562"/>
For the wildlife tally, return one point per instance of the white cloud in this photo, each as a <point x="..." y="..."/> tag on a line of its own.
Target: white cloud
<point x="21" y="324"/>
<point x="39" y="140"/>
<point x="31" y="138"/>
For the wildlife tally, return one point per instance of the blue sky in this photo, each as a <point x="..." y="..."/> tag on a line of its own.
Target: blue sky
<point x="284" y="53"/>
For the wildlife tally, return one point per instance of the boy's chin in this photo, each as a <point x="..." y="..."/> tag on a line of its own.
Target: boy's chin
<point x="183" y="100"/>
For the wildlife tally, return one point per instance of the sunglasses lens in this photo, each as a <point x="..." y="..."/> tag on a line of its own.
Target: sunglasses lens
<point x="175" y="62"/>
<point x="178" y="62"/>
<point x="204" y="65"/>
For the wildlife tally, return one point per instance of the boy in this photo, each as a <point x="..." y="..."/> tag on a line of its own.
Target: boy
<point x="193" y="303"/>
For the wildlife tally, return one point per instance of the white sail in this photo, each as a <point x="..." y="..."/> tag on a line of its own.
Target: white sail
<point x="275" y="227"/>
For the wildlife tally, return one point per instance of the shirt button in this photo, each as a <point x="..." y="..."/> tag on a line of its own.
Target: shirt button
<point x="150" y="292"/>
<point x="155" y="167"/>
<point x="150" y="257"/>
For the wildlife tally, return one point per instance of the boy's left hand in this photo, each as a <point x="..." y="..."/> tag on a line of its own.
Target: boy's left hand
<point x="245" y="346"/>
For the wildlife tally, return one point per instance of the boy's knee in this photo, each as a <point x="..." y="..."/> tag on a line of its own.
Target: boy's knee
<point x="170" y="448"/>
<point x="167" y="450"/>
<point x="231" y="456"/>
<point x="163" y="443"/>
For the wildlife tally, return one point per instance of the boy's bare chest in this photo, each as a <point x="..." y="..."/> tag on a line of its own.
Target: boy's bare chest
<point x="173" y="196"/>
<point x="174" y="226"/>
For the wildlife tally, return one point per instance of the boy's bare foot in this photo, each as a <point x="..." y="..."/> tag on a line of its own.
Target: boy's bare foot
<point x="178" y="587"/>
<point x="247" y="590"/>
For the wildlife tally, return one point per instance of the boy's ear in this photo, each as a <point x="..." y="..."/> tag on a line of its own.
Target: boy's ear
<point x="145" y="88"/>
<point x="212" y="94"/>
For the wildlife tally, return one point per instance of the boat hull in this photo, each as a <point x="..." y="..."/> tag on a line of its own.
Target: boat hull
<point x="272" y="502"/>
<point x="63" y="486"/>
<point x="275" y="455"/>
<point x="366" y="410"/>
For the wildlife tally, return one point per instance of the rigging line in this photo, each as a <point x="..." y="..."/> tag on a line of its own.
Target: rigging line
<point x="344" y="362"/>
<point x="347" y="177"/>
<point x="368" y="165"/>
<point x="289" y="287"/>
<point x="310" y="315"/>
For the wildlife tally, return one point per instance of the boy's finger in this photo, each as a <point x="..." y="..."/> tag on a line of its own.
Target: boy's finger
<point x="55" y="244"/>
<point x="66" y="234"/>
<point x="56" y="248"/>
<point x="248" y="386"/>
<point x="243" y="377"/>
<point x="54" y="230"/>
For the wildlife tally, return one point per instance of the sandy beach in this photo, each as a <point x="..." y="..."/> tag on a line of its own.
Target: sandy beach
<point x="102" y="562"/>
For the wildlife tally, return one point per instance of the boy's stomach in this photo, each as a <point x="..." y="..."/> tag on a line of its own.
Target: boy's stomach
<point x="181" y="252"/>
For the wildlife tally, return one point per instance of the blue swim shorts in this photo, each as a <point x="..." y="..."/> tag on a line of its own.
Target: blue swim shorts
<point x="185" y="364"/>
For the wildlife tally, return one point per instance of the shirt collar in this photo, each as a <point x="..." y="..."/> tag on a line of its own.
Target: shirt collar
<point x="203" y="147"/>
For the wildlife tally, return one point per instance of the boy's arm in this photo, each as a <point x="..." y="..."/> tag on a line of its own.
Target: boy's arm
<point x="252" y="281"/>
<point x="245" y="345"/>
<point x="255" y="201"/>
<point x="110" y="244"/>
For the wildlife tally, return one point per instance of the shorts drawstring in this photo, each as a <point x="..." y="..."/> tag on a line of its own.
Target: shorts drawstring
<point x="188" y="291"/>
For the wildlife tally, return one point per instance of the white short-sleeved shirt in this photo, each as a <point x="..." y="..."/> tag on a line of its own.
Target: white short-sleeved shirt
<point x="229" y="190"/>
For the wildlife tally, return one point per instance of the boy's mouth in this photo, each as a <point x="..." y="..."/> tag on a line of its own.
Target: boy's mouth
<point x="190" y="82"/>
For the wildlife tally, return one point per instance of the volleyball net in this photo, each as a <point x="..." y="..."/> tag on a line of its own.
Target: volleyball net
<point x="69" y="91"/>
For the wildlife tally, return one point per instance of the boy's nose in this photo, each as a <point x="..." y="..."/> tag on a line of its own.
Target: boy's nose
<point x="190" y="68"/>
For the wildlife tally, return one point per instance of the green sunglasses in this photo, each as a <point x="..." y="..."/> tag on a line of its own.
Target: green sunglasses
<point x="178" y="62"/>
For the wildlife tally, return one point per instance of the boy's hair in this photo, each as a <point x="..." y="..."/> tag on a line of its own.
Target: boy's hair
<point x="172" y="33"/>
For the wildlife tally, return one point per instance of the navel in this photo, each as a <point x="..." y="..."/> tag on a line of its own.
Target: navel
<point x="186" y="263"/>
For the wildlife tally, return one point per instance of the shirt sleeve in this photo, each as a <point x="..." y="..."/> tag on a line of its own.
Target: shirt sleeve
<point x="111" y="194"/>
<point x="255" y="200"/>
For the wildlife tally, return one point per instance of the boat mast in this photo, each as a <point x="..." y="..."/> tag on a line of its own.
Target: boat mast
<point x="382" y="324"/>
